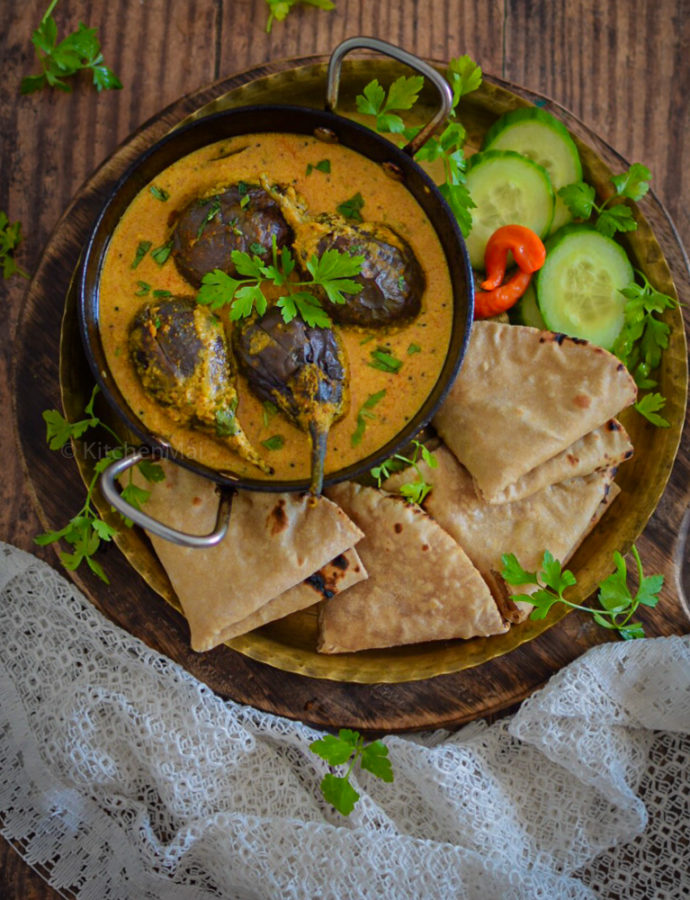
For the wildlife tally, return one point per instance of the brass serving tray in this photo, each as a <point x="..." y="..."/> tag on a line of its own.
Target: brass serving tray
<point x="289" y="643"/>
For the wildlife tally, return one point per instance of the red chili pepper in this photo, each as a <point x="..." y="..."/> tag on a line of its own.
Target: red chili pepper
<point x="528" y="252"/>
<point x="492" y="303"/>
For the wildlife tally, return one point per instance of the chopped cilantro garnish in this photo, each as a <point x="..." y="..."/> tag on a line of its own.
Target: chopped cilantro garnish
<point x="350" y="209"/>
<point x="275" y="442"/>
<point x="159" y="193"/>
<point x="385" y="361"/>
<point x="142" y="249"/>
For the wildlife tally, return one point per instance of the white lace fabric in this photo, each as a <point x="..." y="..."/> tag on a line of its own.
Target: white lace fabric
<point x="121" y="776"/>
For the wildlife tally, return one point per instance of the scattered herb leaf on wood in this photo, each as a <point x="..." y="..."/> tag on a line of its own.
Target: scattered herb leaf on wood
<point x="349" y="747"/>
<point x="617" y="604"/>
<point x="10" y="239"/>
<point x="79" y="51"/>
<point x="86" y="530"/>
<point x="279" y="9"/>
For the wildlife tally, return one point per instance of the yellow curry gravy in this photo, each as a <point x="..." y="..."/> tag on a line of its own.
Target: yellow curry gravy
<point x="421" y="345"/>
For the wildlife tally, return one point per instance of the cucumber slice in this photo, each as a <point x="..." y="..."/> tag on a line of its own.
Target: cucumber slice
<point x="526" y="310"/>
<point x="540" y="136"/>
<point x="578" y="287"/>
<point x="508" y="189"/>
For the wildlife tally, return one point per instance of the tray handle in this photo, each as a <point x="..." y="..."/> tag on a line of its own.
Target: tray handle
<point x="403" y="56"/>
<point x="115" y="498"/>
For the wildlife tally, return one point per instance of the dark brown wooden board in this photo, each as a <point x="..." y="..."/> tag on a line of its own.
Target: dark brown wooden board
<point x="442" y="701"/>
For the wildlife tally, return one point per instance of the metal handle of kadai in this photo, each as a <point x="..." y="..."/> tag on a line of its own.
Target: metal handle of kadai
<point x="409" y="59"/>
<point x="115" y="498"/>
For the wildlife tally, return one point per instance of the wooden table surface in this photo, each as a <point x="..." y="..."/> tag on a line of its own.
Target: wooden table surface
<point x="622" y="67"/>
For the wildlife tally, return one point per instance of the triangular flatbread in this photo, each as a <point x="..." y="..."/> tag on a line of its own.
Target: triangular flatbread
<point x="557" y="518"/>
<point x="274" y="541"/>
<point x="523" y="396"/>
<point x="421" y="585"/>
<point x="603" y="448"/>
<point x="333" y="578"/>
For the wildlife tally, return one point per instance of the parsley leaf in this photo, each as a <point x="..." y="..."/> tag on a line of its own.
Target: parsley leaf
<point x="79" y="51"/>
<point x="275" y="442"/>
<point x="350" y="209"/>
<point x="365" y="415"/>
<point x="634" y="183"/>
<point x="615" y="218"/>
<point x="85" y="531"/>
<point x="332" y="273"/>
<point x="630" y="185"/>
<point x="349" y="747"/>
<point x="383" y="360"/>
<point x="305" y="305"/>
<point x="160" y="193"/>
<point x="161" y="254"/>
<point x="143" y="248"/>
<point x="617" y="604"/>
<point x="649" y="406"/>
<point x="413" y="491"/>
<point x="464" y="76"/>
<point x="323" y="165"/>
<point x="642" y="339"/>
<point x="402" y="94"/>
<point x="270" y="410"/>
<point x="579" y="197"/>
<point x="278" y="9"/>
<point x="217" y="289"/>
<point x="10" y="238"/>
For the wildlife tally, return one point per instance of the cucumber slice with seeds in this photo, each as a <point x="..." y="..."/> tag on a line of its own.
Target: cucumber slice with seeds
<point x="578" y="287"/>
<point x="508" y="189"/>
<point x="537" y="134"/>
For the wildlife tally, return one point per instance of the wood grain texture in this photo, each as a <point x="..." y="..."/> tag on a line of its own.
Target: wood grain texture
<point x="622" y="67"/>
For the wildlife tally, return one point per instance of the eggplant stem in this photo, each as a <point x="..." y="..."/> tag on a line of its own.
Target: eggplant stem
<point x="319" y="437"/>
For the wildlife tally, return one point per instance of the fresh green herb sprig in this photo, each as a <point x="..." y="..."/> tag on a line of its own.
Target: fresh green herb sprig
<point x="384" y="105"/>
<point x="642" y="340"/>
<point x="85" y="531"/>
<point x="630" y="185"/>
<point x="279" y="9"/>
<point x="79" y="51"/>
<point x="332" y="272"/>
<point x="349" y="747"/>
<point x="464" y="76"/>
<point x="10" y="239"/>
<point x="413" y="491"/>
<point x="617" y="604"/>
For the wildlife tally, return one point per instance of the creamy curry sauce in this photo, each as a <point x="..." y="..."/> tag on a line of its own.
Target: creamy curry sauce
<point x="285" y="158"/>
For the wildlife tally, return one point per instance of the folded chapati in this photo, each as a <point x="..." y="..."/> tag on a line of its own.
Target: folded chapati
<point x="524" y="396"/>
<point x="333" y="578"/>
<point x="556" y="518"/>
<point x="274" y="542"/>
<point x="603" y="448"/>
<point x="421" y="585"/>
